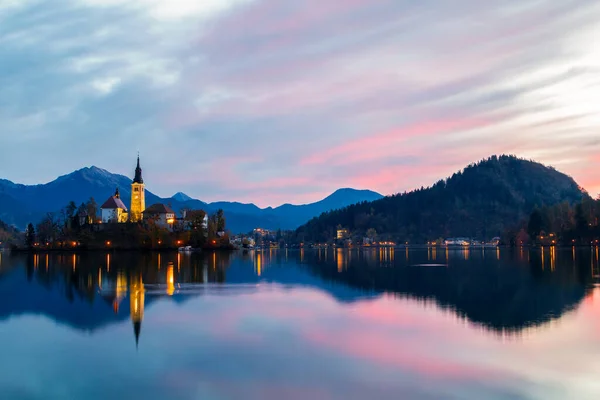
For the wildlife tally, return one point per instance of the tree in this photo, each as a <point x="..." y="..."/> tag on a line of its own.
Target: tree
<point x="220" y="221"/>
<point x="581" y="221"/>
<point x="48" y="228"/>
<point x="535" y="225"/>
<point x="195" y="221"/>
<point x="372" y="234"/>
<point x="82" y="210"/>
<point x="71" y="208"/>
<point x="92" y="209"/>
<point x="212" y="226"/>
<point x="30" y="235"/>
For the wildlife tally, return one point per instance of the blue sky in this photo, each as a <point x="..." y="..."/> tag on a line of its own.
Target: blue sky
<point x="275" y="101"/>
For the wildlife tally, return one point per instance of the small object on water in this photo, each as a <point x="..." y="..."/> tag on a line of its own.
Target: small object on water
<point x="429" y="265"/>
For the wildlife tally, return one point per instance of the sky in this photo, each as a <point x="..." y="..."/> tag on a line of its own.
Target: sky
<point x="275" y="101"/>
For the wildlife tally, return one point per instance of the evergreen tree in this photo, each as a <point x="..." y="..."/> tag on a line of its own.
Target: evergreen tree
<point x="220" y="221"/>
<point x="30" y="235"/>
<point x="92" y="209"/>
<point x="581" y="222"/>
<point x="71" y="209"/>
<point x="535" y="225"/>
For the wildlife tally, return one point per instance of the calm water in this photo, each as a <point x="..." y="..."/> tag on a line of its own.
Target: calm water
<point x="302" y="325"/>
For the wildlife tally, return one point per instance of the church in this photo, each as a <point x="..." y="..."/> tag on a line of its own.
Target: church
<point x="114" y="210"/>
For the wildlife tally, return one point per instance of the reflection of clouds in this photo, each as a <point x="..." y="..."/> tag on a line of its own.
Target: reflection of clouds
<point x="285" y="341"/>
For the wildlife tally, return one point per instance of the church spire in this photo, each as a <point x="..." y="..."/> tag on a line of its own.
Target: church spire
<point x="138" y="172"/>
<point x="137" y="327"/>
<point x="117" y="194"/>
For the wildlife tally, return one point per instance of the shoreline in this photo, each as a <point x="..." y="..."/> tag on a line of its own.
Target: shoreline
<point x="228" y="249"/>
<point x="112" y="250"/>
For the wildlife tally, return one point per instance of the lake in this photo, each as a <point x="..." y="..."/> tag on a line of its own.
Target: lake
<point x="306" y="324"/>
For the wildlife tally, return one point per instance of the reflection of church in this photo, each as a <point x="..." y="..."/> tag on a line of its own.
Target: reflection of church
<point x="115" y="291"/>
<point x="136" y="305"/>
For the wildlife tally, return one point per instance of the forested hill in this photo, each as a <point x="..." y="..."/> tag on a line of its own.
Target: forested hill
<point x="479" y="202"/>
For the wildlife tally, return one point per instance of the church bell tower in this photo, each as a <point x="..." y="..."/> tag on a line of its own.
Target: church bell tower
<point x="138" y="196"/>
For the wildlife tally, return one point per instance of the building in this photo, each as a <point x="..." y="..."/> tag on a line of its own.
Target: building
<point x="457" y="241"/>
<point x="163" y="215"/>
<point x="262" y="232"/>
<point x="191" y="218"/>
<point x="113" y="210"/>
<point x="138" y="195"/>
<point x="342" y="234"/>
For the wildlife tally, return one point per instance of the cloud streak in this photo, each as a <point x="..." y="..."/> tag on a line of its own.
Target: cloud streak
<point x="387" y="95"/>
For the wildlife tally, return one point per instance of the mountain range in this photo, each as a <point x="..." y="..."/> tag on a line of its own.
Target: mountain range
<point x="21" y="204"/>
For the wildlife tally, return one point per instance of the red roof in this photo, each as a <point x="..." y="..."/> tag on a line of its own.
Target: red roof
<point x="113" y="203"/>
<point x="158" y="209"/>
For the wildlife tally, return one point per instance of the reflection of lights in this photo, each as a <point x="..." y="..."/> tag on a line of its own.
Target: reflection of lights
<point x="170" y="280"/>
<point x="258" y="264"/>
<point x="543" y="261"/>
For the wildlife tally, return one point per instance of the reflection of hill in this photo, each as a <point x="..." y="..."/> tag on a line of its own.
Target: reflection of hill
<point x="293" y="275"/>
<point x="94" y="291"/>
<point x="503" y="298"/>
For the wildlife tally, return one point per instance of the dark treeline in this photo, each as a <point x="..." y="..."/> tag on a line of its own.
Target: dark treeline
<point x="7" y="233"/>
<point x="561" y="224"/>
<point x="482" y="201"/>
<point x="77" y="227"/>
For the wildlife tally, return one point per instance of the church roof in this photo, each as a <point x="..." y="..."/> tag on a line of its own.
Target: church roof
<point x="113" y="203"/>
<point x="159" y="209"/>
<point x="138" y="173"/>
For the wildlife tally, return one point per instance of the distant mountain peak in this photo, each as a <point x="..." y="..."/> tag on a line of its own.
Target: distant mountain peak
<point x="350" y="195"/>
<point x="353" y="191"/>
<point x="180" y="196"/>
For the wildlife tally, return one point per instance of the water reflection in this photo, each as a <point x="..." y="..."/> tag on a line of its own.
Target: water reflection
<point x="505" y="294"/>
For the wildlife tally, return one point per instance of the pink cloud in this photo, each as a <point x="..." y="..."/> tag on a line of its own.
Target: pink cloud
<point x="382" y="145"/>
